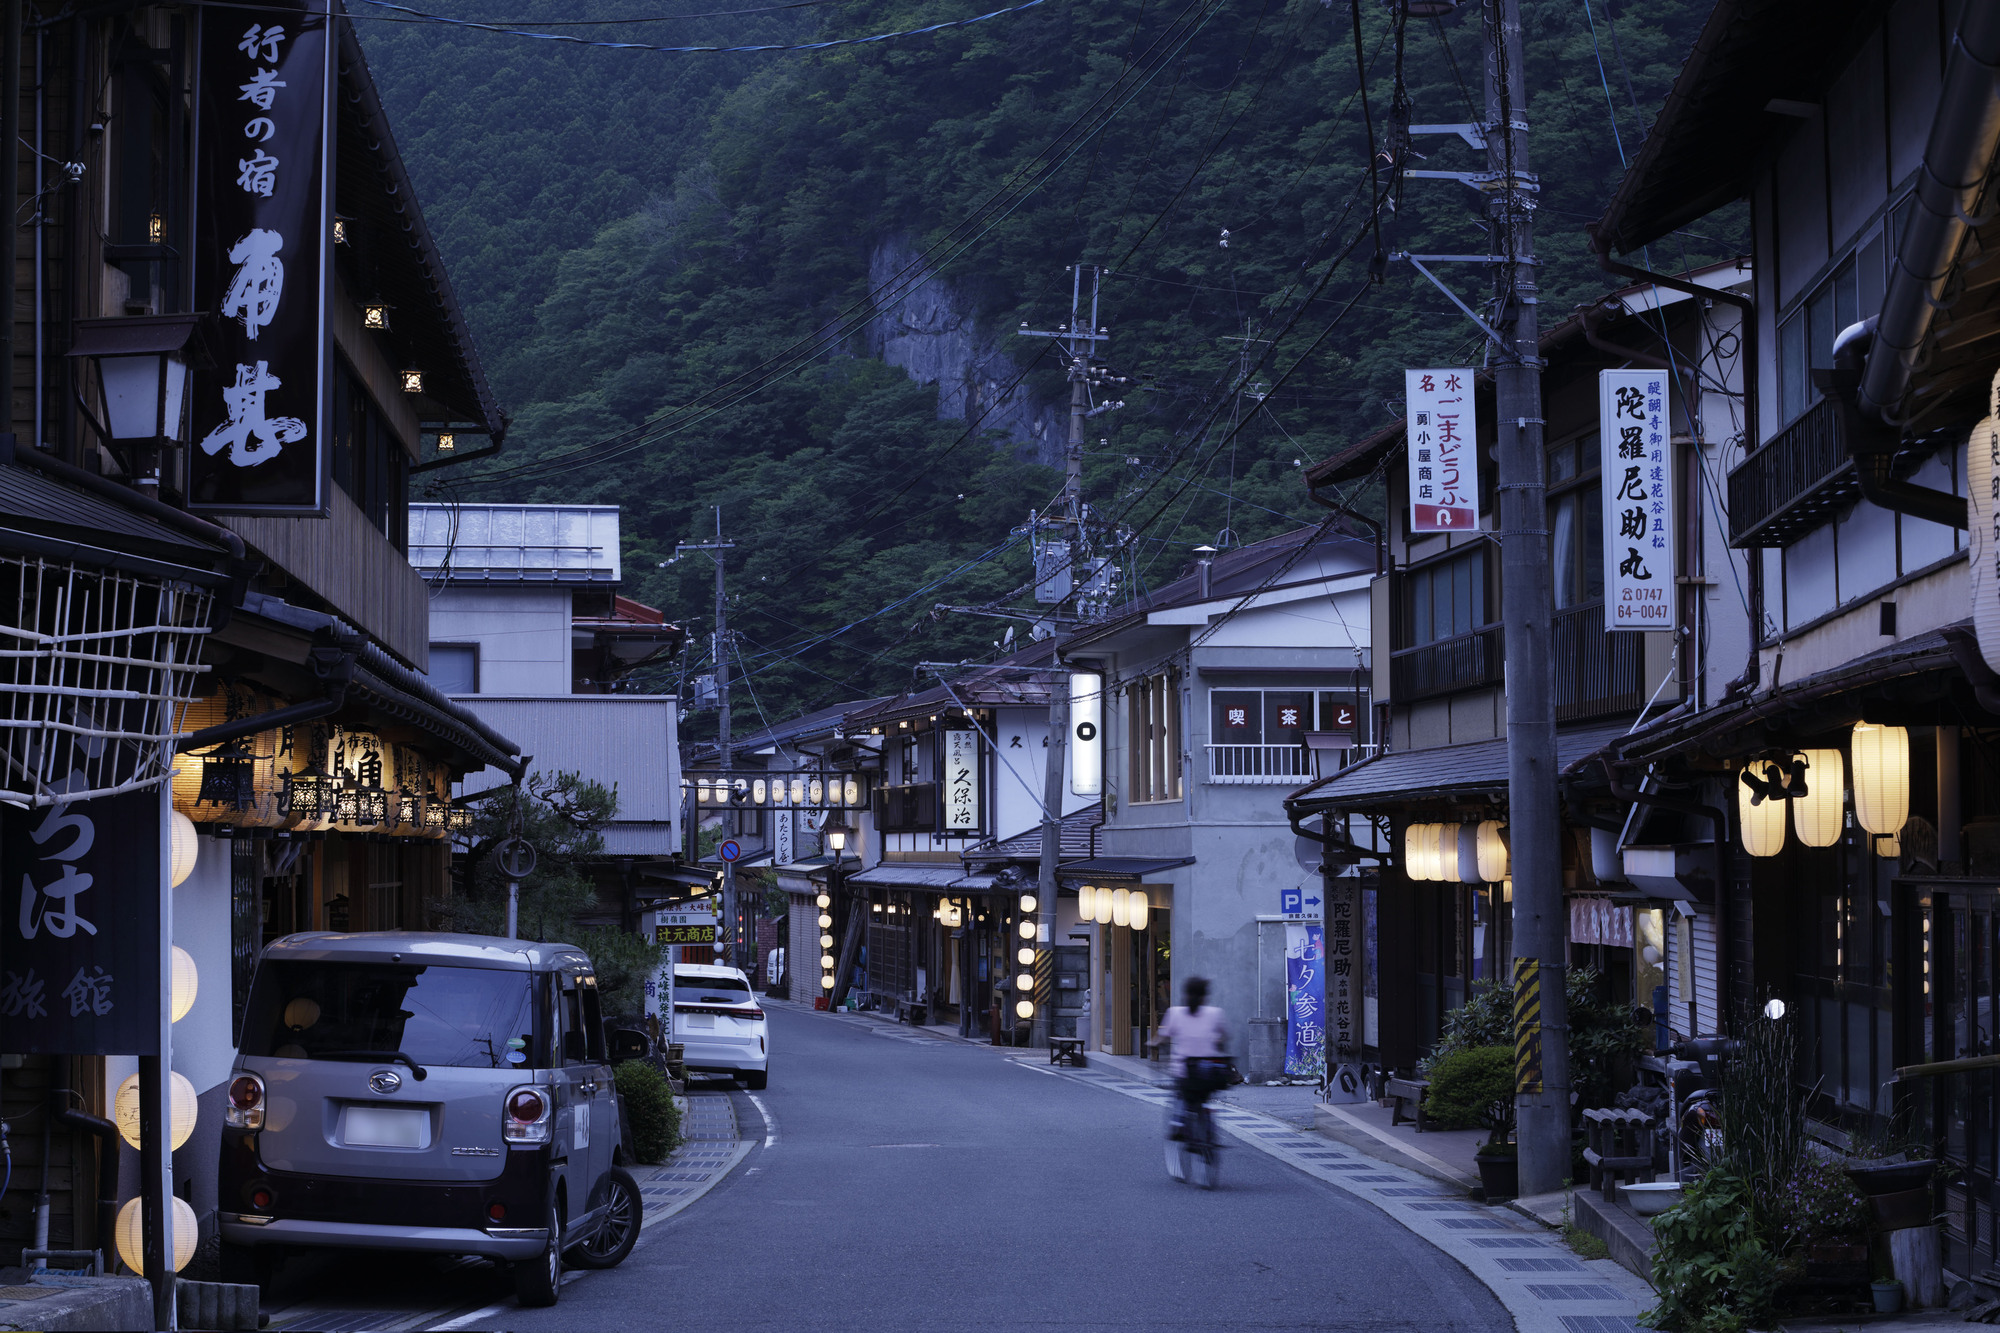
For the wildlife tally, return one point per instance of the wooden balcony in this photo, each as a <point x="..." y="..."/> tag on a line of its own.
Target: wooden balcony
<point x="1794" y="483"/>
<point x="907" y="809"/>
<point x="356" y="570"/>
<point x="1446" y="666"/>
<point x="1596" y="672"/>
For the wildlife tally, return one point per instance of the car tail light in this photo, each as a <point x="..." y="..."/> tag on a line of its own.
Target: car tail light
<point x="261" y="1198"/>
<point x="755" y="1013"/>
<point x="497" y="1211"/>
<point x="528" y="1116"/>
<point x="246" y="1103"/>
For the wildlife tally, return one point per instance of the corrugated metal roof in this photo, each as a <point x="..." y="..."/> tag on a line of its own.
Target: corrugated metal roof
<point x="515" y="543"/>
<point x="627" y="739"/>
<point x="1446" y="769"/>
<point x="30" y="499"/>
<point x="1076" y="838"/>
<point x="900" y="875"/>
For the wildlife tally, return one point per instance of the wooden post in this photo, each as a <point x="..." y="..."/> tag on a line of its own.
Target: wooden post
<point x="1918" y="1261"/>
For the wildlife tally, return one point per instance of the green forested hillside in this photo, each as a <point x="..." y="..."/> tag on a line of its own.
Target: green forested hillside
<point x="636" y="234"/>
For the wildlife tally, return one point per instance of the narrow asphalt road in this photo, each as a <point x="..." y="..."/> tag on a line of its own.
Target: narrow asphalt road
<point x="924" y="1184"/>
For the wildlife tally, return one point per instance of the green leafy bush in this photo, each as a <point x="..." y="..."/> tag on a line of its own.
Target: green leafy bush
<point x="1601" y="1033"/>
<point x="1714" y="1274"/>
<point x="649" y="1109"/>
<point x="1473" y="1089"/>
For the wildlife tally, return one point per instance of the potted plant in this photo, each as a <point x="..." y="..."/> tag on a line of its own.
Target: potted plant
<point x="1888" y="1292"/>
<point x="1473" y="1088"/>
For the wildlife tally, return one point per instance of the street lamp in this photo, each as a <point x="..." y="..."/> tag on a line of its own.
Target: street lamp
<point x="143" y="365"/>
<point x="835" y="835"/>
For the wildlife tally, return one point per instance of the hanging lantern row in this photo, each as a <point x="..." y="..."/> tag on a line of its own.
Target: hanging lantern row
<point x="806" y="791"/>
<point x="1812" y="785"/>
<point x="1113" y="907"/>
<point x="1456" y="853"/>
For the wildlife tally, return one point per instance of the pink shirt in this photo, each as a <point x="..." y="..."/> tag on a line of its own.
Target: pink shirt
<point x="1194" y="1036"/>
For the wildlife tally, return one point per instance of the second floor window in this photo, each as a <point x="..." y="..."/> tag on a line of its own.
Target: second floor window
<point x="1445" y="598"/>
<point x="1576" y="522"/>
<point x="1153" y="738"/>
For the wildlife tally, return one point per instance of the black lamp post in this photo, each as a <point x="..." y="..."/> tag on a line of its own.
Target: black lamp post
<point x="836" y="835"/>
<point x="144" y="367"/>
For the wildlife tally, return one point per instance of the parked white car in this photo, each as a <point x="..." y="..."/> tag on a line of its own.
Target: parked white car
<point x="719" y="1023"/>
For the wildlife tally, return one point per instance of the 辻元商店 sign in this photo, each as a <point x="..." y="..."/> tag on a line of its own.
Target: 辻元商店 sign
<point x="1444" y="451"/>
<point x="1638" y="478"/>
<point x="261" y="258"/>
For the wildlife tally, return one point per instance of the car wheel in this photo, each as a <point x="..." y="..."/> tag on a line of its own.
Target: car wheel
<point x="538" y="1281"/>
<point x="624" y="1211"/>
<point x="758" y="1081"/>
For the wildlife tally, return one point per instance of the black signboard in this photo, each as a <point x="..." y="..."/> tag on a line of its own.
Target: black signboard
<point x="80" y="933"/>
<point x="263" y="213"/>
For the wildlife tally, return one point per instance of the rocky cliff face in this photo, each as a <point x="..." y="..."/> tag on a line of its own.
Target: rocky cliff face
<point x="934" y="336"/>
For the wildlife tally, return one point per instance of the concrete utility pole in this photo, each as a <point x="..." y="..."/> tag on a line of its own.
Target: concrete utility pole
<point x="1081" y="338"/>
<point x="731" y="916"/>
<point x="1540" y="934"/>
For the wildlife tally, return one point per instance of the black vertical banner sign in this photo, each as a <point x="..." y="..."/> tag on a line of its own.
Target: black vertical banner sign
<point x="263" y="204"/>
<point x="80" y="927"/>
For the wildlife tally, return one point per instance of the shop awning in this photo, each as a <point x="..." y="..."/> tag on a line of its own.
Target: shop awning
<point x="677" y="872"/>
<point x="1445" y="771"/>
<point x="923" y="878"/>
<point x="1119" y="867"/>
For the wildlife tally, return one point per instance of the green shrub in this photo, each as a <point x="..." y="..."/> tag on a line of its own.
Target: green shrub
<point x="649" y="1109"/>
<point x="1601" y="1034"/>
<point x="1473" y="1089"/>
<point x="1713" y="1273"/>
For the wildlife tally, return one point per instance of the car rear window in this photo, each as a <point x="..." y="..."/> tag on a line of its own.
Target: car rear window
<point x="468" y="1017"/>
<point x="710" y="990"/>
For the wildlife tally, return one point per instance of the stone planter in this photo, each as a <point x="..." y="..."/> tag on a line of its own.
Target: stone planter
<point x="1500" y="1174"/>
<point x="1872" y="1178"/>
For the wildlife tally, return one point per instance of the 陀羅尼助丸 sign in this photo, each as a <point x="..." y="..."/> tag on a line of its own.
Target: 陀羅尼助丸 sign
<point x="1443" y="450"/>
<point x="262" y="217"/>
<point x="1638" y="482"/>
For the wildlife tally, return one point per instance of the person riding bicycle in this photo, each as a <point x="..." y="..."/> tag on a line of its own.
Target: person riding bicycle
<point x="1199" y="1034"/>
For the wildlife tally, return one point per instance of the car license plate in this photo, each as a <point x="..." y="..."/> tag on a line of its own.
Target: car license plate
<point x="701" y="1020"/>
<point x="386" y="1127"/>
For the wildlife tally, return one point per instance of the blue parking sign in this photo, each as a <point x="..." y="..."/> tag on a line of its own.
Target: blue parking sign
<point x="1290" y="901"/>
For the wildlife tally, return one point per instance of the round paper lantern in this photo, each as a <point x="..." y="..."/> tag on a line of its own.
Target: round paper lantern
<point x="1982" y="464"/>
<point x="1028" y="902"/>
<point x="1026" y="981"/>
<point x="186" y="982"/>
<point x="132" y="1234"/>
<point x="186" y="849"/>
<point x="1456" y="850"/>
<point x="825" y="921"/>
<point x="1086" y="903"/>
<point x="1025" y="1009"/>
<point x="125" y="1109"/>
<point x="1101" y="907"/>
<point x="825" y="962"/>
<point x="1881" y="777"/>
<point x="822" y="902"/>
<point x="826" y="983"/>
<point x="1119" y="897"/>
<point x="1136" y="908"/>
<point x="1818" y="815"/>
<point x="1025" y="957"/>
<point x="1413" y="851"/>
<point x="1763" y="825"/>
<point x="1492" y="852"/>
<point x="1027" y="930"/>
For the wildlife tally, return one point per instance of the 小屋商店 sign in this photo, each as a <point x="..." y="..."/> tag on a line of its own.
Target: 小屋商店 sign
<point x="262" y="224"/>
<point x="1444" y="451"/>
<point x="1638" y="500"/>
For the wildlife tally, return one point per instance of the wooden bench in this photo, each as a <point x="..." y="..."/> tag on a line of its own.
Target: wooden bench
<point x="1410" y="1090"/>
<point x="1066" y="1050"/>
<point x="1618" y="1148"/>
<point x="913" y="1012"/>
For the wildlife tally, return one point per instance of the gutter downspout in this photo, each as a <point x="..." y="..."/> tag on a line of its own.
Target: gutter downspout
<point x="107" y="1163"/>
<point x="1872" y="440"/>
<point x="1965" y="652"/>
<point x="1381" y="543"/>
<point x="1958" y="156"/>
<point x="1329" y="839"/>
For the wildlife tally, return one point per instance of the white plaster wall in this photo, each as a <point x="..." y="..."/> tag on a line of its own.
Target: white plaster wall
<point x="523" y="635"/>
<point x="1922" y="605"/>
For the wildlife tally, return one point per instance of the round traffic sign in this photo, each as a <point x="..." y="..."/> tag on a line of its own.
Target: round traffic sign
<point x="515" y="858"/>
<point x="731" y="850"/>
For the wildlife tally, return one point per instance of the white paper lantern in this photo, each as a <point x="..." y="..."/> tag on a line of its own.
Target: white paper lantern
<point x="822" y="902"/>
<point x="1982" y="465"/>
<point x="1763" y="825"/>
<point x="825" y="962"/>
<point x="826" y="983"/>
<point x="132" y="1234"/>
<point x="1119" y="915"/>
<point x="125" y="1109"/>
<point x="825" y="921"/>
<point x="187" y="848"/>
<point x="1028" y="903"/>
<point x="1025" y="1009"/>
<point x="1086" y="903"/>
<point x="1881" y="777"/>
<point x="186" y="982"/>
<point x="1458" y="852"/>
<point x="1492" y="853"/>
<point x="1136" y="908"/>
<point x="1818" y="815"/>
<point x="1027" y="930"/>
<point x="1025" y="957"/>
<point x="1413" y="851"/>
<point x="1101" y="907"/>
<point x="1025" y="981"/>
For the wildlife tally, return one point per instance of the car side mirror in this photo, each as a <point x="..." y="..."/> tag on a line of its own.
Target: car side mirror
<point x="573" y="1049"/>
<point x="629" y="1044"/>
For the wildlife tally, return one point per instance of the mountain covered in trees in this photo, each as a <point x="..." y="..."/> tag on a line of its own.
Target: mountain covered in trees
<point x="723" y="245"/>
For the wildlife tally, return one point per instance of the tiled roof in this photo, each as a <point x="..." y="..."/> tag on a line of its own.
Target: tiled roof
<point x="1445" y="771"/>
<point x="1076" y="839"/>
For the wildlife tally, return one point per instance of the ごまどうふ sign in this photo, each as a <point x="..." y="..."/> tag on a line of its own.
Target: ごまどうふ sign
<point x="1443" y="450"/>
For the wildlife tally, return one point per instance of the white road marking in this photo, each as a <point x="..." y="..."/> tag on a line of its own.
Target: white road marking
<point x="466" y="1320"/>
<point x="770" y="1125"/>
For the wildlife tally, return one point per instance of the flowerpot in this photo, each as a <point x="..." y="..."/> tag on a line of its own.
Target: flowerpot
<point x="1873" y="1178"/>
<point x="1649" y="1200"/>
<point x="1888" y="1297"/>
<point x="1499" y="1175"/>
<point x="1906" y="1208"/>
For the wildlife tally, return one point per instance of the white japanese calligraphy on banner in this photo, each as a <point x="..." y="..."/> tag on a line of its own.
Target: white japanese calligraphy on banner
<point x="1444" y="450"/>
<point x="961" y="779"/>
<point x="1638" y="500"/>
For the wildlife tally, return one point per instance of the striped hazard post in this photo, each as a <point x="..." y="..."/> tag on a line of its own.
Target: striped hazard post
<point x="1527" y="1025"/>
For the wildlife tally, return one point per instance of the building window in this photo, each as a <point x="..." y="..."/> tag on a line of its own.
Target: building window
<point x="455" y="667"/>
<point x="1576" y="522"/>
<point x="1445" y="599"/>
<point x="1805" y="338"/>
<point x="1152" y="706"/>
<point x="369" y="464"/>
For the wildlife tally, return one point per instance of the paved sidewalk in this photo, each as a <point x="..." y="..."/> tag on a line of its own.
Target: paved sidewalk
<point x="710" y="1150"/>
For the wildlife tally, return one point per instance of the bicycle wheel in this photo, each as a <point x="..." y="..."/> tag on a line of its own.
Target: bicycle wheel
<point x="1211" y="1168"/>
<point x="1177" y="1161"/>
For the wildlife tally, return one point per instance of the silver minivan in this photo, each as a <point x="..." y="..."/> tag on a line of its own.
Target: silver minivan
<point x="418" y="1091"/>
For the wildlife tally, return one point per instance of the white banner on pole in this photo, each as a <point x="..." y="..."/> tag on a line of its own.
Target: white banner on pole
<point x="961" y="779"/>
<point x="1443" y="452"/>
<point x="782" y="828"/>
<point x="1638" y="500"/>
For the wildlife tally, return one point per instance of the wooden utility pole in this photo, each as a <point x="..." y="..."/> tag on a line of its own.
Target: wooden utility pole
<point x="725" y="755"/>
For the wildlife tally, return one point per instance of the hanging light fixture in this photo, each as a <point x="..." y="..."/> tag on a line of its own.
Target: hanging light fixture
<point x="757" y="791"/>
<point x="447" y="442"/>
<point x="1492" y="852"/>
<point x="186" y="983"/>
<point x="1119" y="898"/>
<point x="375" y="316"/>
<point x="1763" y="823"/>
<point x="1086" y="903"/>
<point x="413" y="380"/>
<point x="1818" y="815"/>
<point x="131" y="1234"/>
<point x="1100" y="907"/>
<point x="186" y="850"/>
<point x="1413" y="851"/>
<point x="181" y="1116"/>
<point x="1881" y="777"/>
<point x="1136" y="908"/>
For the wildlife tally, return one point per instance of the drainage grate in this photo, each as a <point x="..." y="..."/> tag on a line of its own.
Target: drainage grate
<point x="353" y="1321"/>
<point x="1454" y="1206"/>
<point x="1598" y="1323"/>
<point x="1510" y="1242"/>
<point x="1472" y="1223"/>
<point x="1410" y="1192"/>
<point x="1547" y="1293"/>
<point x="1384" y="1180"/>
<point x="1520" y="1264"/>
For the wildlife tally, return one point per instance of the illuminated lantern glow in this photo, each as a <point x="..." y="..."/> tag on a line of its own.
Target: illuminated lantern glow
<point x="1119" y="915"/>
<point x="1086" y="727"/>
<point x="826" y="982"/>
<point x="1027" y="930"/>
<point x="1413" y="852"/>
<point x="822" y="902"/>
<point x="132" y="1234"/>
<point x="825" y="921"/>
<point x="1818" y="815"/>
<point x="1101" y="907"/>
<point x="1763" y="825"/>
<point x="1136" y="908"/>
<point x="1086" y="903"/>
<point x="187" y="849"/>
<point x="1025" y="957"/>
<point x="1025" y="1009"/>
<point x="1881" y="777"/>
<point x="125" y="1109"/>
<point x="1026" y="981"/>
<point x="1493" y="866"/>
<point x="1027" y="902"/>
<point x="186" y="982"/>
<point x="757" y="791"/>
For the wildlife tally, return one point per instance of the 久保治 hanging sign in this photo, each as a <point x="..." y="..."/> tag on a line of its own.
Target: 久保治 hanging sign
<point x="1444" y="451"/>
<point x="261" y="258"/>
<point x="1638" y="480"/>
<point x="961" y="779"/>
